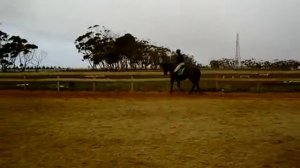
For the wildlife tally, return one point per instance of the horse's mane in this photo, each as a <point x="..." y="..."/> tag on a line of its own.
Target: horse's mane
<point x="167" y="66"/>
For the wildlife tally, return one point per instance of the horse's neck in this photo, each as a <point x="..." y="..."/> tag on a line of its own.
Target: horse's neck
<point x="168" y="67"/>
<point x="171" y="67"/>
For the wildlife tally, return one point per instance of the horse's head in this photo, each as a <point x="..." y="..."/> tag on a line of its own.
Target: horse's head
<point x="167" y="67"/>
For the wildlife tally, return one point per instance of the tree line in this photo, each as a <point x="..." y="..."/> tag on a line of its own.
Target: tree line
<point x="252" y="63"/>
<point x="103" y="49"/>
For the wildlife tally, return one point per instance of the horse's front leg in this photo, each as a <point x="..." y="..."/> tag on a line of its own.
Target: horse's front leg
<point x="172" y="83"/>
<point x="192" y="89"/>
<point x="178" y="85"/>
<point x="198" y="87"/>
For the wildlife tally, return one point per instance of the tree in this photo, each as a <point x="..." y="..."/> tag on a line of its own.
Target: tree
<point x="38" y="59"/>
<point x="27" y="56"/>
<point x="95" y="44"/>
<point x="266" y="65"/>
<point x="145" y="53"/>
<point x="102" y="47"/>
<point x="13" y="47"/>
<point x="126" y="47"/>
<point x="159" y="54"/>
<point x="214" y="64"/>
<point x="285" y="64"/>
<point x="224" y="63"/>
<point x="4" y="50"/>
<point x="190" y="61"/>
<point x="249" y="63"/>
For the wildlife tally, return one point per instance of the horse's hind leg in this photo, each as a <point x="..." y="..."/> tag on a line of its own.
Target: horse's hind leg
<point x="192" y="89"/>
<point x="171" y="86"/>
<point x="178" y="85"/>
<point x="198" y="87"/>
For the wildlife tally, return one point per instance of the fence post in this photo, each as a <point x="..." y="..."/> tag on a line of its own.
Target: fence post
<point x="24" y="82"/>
<point x="58" y="84"/>
<point x="131" y="84"/>
<point x="94" y="84"/>
<point x="217" y="83"/>
<point x="258" y="87"/>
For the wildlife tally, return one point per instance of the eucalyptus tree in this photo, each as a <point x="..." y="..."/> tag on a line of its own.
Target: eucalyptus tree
<point x="13" y="47"/>
<point x="158" y="55"/>
<point x="100" y="46"/>
<point x="143" y="53"/>
<point x="27" y="56"/>
<point x="95" y="45"/>
<point x="3" y="50"/>
<point x="126" y="47"/>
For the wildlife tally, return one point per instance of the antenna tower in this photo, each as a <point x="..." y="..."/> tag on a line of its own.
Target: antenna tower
<point x="237" y="52"/>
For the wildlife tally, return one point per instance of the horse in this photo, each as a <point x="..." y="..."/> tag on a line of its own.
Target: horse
<point x="191" y="73"/>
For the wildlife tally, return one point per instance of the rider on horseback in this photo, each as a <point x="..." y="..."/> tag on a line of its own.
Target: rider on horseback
<point x="179" y="61"/>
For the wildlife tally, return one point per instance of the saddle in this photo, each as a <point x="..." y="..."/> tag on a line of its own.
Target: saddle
<point x="181" y="71"/>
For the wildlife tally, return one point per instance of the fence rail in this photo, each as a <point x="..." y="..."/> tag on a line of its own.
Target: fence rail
<point x="215" y="72"/>
<point x="215" y="77"/>
<point x="295" y="80"/>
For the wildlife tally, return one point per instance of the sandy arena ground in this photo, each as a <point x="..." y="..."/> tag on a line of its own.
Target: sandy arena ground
<point x="79" y="129"/>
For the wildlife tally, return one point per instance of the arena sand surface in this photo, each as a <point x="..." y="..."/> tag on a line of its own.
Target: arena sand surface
<point x="149" y="129"/>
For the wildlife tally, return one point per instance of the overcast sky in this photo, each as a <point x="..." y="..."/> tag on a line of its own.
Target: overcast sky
<point x="269" y="29"/>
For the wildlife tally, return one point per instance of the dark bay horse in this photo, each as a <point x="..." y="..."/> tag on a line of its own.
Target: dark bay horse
<point x="191" y="73"/>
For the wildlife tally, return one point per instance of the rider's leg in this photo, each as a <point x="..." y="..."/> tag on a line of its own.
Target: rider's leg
<point x="178" y="66"/>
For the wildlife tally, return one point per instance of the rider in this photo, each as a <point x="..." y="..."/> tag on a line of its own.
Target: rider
<point x="179" y="60"/>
